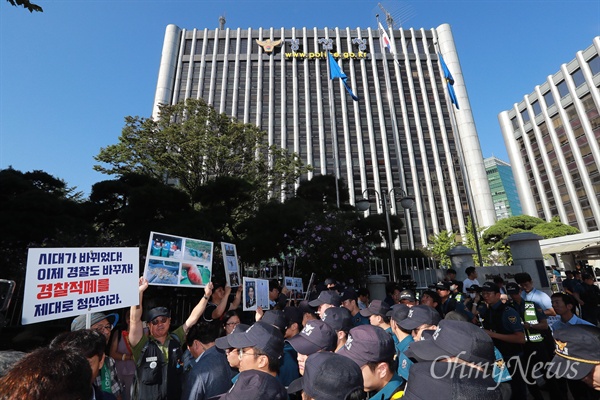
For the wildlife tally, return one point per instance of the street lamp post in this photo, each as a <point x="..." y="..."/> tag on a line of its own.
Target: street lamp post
<point x="406" y="202"/>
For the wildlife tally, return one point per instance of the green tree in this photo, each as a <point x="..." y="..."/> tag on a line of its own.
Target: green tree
<point x="26" y="4"/>
<point x="554" y="228"/>
<point x="471" y="243"/>
<point x="190" y="143"/>
<point x="38" y="210"/>
<point x="310" y="229"/>
<point x="125" y="210"/>
<point x="494" y="236"/>
<point x="438" y="245"/>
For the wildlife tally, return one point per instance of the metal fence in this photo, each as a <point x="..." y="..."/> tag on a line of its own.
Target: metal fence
<point x="423" y="271"/>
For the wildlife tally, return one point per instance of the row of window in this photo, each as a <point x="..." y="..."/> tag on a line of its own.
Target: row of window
<point x="563" y="90"/>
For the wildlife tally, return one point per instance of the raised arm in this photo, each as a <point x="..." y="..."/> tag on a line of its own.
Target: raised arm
<point x="136" y="328"/>
<point x="237" y="299"/>
<point x="220" y="310"/>
<point x="199" y="309"/>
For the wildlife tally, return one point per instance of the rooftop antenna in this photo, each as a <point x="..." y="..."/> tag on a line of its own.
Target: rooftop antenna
<point x="395" y="14"/>
<point x="222" y="22"/>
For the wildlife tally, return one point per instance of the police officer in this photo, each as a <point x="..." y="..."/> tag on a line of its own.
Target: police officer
<point x="503" y="324"/>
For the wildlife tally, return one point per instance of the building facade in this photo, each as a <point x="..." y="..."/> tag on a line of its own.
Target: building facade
<point x="502" y="187"/>
<point x="553" y="142"/>
<point x="402" y="134"/>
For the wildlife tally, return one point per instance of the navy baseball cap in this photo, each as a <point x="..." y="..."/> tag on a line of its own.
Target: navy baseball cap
<point x="326" y="297"/>
<point x="443" y="285"/>
<point x="275" y="318"/>
<point x="513" y="288"/>
<point x="349" y="294"/>
<point x="454" y="339"/>
<point x="420" y="315"/>
<point x="399" y="312"/>
<point x="255" y="385"/>
<point x="440" y="380"/>
<point x="339" y="318"/>
<point x="490" y="287"/>
<point x="577" y="351"/>
<point x="328" y="376"/>
<point x="223" y="342"/>
<point x="377" y="307"/>
<point x="315" y="336"/>
<point x="305" y="307"/>
<point x="408" y="295"/>
<point x="368" y="343"/>
<point x="261" y="335"/>
<point x="293" y="315"/>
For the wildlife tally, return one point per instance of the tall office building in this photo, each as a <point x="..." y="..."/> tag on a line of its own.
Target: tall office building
<point x="402" y="133"/>
<point x="502" y="186"/>
<point x="553" y="142"/>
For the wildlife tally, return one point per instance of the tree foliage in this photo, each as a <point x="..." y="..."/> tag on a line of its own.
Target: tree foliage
<point x="438" y="245"/>
<point x="553" y="229"/>
<point x="191" y="144"/>
<point x="127" y="209"/>
<point x="313" y="233"/>
<point x="26" y="4"/>
<point x="38" y="210"/>
<point x="494" y="236"/>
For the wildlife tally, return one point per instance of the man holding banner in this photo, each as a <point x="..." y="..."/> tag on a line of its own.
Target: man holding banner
<point x="158" y="356"/>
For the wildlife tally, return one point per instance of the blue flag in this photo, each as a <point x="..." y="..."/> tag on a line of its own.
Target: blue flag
<point x="336" y="72"/>
<point x="449" y="81"/>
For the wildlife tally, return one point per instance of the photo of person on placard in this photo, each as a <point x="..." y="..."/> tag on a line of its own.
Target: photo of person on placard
<point x="250" y="295"/>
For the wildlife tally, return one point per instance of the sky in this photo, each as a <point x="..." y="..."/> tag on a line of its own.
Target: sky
<point x="70" y="75"/>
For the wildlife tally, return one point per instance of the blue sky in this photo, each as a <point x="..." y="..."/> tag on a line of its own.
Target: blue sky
<point x="69" y="75"/>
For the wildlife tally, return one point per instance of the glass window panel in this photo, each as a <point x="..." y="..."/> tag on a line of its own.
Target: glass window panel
<point x="548" y="98"/>
<point x="578" y="77"/>
<point x="594" y="64"/>
<point x="562" y="89"/>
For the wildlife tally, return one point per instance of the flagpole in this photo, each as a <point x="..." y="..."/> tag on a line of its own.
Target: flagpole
<point x="388" y="84"/>
<point x="334" y="141"/>
<point x="463" y="169"/>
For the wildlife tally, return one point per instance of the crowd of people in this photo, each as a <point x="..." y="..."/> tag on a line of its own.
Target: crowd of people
<point x="455" y="340"/>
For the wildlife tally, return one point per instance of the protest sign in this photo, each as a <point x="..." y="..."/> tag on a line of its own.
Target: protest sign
<point x="67" y="282"/>
<point x="256" y="294"/>
<point x="232" y="268"/>
<point x="294" y="285"/>
<point x="178" y="261"/>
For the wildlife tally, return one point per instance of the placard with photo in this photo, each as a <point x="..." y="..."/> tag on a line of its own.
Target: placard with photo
<point x="256" y="294"/>
<point x="232" y="268"/>
<point x="178" y="261"/>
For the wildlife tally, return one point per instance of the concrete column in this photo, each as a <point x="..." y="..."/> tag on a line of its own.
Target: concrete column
<point x="527" y="253"/>
<point x="461" y="257"/>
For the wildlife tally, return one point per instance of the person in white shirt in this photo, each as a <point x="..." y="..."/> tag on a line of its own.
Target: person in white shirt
<point x="471" y="280"/>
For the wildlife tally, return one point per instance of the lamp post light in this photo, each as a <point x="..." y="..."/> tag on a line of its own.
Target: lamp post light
<point x="406" y="202"/>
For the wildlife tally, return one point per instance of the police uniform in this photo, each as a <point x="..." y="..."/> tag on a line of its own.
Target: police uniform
<point x="501" y="318"/>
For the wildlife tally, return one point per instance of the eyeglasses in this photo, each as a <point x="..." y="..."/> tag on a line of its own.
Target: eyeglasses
<point x="245" y="353"/>
<point x="232" y="323"/>
<point x="229" y="351"/>
<point x="107" y="327"/>
<point x="159" y="320"/>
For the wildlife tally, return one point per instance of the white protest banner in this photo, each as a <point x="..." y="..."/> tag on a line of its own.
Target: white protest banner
<point x="67" y="282"/>
<point x="232" y="268"/>
<point x="256" y="294"/>
<point x="178" y="261"/>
